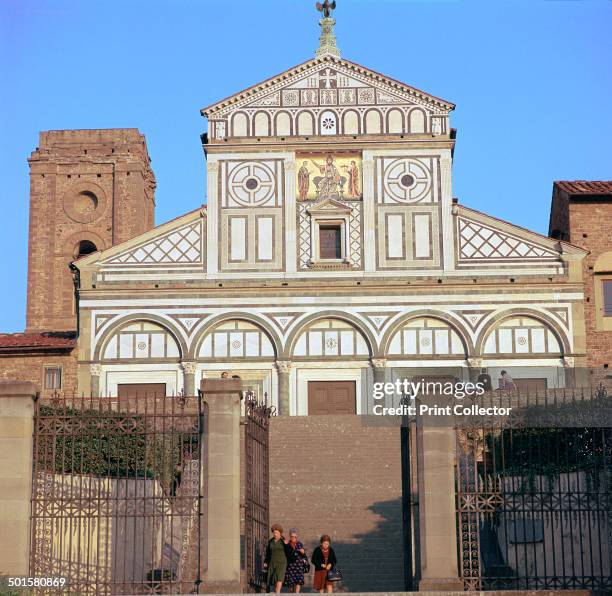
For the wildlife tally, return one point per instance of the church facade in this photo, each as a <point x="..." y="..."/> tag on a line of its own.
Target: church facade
<point x="330" y="255"/>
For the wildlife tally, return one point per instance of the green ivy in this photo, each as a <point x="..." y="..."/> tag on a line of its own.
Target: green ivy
<point x="108" y="444"/>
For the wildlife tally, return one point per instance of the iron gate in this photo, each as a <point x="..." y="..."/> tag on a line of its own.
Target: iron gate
<point x="257" y="487"/>
<point x="116" y="497"/>
<point x="534" y="494"/>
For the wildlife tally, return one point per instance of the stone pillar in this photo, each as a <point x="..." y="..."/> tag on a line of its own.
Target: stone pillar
<point x="284" y="370"/>
<point x="212" y="215"/>
<point x="446" y="192"/>
<point x="474" y="368"/>
<point x="189" y="372"/>
<point x="291" y="232"/>
<point x="379" y="367"/>
<point x="220" y="530"/>
<point x="16" y="430"/>
<point x="437" y="516"/>
<point x="369" y="213"/>
<point x="95" y="370"/>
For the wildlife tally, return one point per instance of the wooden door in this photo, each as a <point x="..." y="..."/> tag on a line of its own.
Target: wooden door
<point x="141" y="390"/>
<point x="331" y="397"/>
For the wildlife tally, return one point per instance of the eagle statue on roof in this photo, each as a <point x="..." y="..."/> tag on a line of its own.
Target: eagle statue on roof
<point x="326" y="7"/>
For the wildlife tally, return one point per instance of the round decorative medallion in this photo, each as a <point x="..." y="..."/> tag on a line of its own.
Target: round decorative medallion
<point x="84" y="202"/>
<point x="251" y="183"/>
<point x="236" y="344"/>
<point x="522" y="341"/>
<point x="406" y="180"/>
<point x="331" y="342"/>
<point x="425" y="341"/>
<point x="328" y="123"/>
<point x="142" y="345"/>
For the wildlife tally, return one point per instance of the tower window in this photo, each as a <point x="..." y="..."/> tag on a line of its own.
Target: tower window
<point x="85" y="247"/>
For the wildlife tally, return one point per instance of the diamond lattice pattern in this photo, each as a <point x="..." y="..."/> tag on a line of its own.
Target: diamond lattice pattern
<point x="180" y="246"/>
<point x="481" y="242"/>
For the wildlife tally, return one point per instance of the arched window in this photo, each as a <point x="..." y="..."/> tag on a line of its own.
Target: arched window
<point x="328" y="124"/>
<point x="522" y="336"/>
<point x="84" y="248"/>
<point x="426" y="336"/>
<point x="330" y="337"/>
<point x="141" y="340"/>
<point x="236" y="339"/>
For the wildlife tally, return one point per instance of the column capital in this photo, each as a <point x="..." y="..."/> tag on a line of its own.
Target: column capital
<point x="284" y="366"/>
<point x="379" y="362"/>
<point x="95" y="370"/>
<point x="474" y="362"/>
<point x="290" y="166"/>
<point x="189" y="367"/>
<point x="212" y="167"/>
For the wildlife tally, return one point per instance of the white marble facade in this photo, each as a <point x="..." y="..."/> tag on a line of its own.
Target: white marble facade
<point x="329" y="248"/>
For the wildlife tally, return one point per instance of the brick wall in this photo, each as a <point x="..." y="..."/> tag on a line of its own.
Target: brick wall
<point x="30" y="367"/>
<point x="590" y="229"/>
<point x="93" y="185"/>
<point x="356" y="498"/>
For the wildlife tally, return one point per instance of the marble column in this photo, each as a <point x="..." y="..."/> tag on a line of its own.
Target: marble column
<point x="189" y="372"/>
<point x="95" y="370"/>
<point x="284" y="370"/>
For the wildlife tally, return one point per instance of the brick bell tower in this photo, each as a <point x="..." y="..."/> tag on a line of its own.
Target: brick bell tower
<point x="89" y="190"/>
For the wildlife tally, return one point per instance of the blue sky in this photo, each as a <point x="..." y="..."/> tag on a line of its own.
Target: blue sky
<point x="531" y="79"/>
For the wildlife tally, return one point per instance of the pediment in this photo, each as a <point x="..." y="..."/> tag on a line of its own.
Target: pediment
<point x="329" y="206"/>
<point x="327" y="81"/>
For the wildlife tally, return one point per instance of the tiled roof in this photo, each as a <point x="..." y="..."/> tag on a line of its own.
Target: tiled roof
<point x="585" y="187"/>
<point x="49" y="340"/>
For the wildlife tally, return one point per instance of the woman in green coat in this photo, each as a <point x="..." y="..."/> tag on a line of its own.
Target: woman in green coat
<point x="277" y="553"/>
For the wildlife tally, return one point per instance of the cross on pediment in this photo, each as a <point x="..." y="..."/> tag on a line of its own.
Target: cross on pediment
<point x="328" y="78"/>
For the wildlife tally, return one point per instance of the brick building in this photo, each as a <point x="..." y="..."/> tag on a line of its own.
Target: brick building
<point x="581" y="212"/>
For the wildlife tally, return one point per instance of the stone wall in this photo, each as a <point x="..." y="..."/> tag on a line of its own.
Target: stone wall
<point x="336" y="475"/>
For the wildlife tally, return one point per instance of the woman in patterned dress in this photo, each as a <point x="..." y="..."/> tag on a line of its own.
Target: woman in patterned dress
<point x="294" y="576"/>
<point x="278" y="552"/>
<point x="323" y="559"/>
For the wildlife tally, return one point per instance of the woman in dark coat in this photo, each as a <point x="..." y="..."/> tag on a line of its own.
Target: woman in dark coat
<point x="323" y="559"/>
<point x="278" y="552"/>
<point x="294" y="576"/>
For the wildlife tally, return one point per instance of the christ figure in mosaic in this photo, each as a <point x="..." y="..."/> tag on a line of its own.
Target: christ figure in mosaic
<point x="303" y="181"/>
<point x="330" y="184"/>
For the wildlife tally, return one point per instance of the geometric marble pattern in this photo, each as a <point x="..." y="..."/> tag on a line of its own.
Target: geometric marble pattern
<point x="477" y="241"/>
<point x="179" y="246"/>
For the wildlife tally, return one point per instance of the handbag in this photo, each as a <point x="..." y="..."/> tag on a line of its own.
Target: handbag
<point x="334" y="575"/>
<point x="306" y="564"/>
